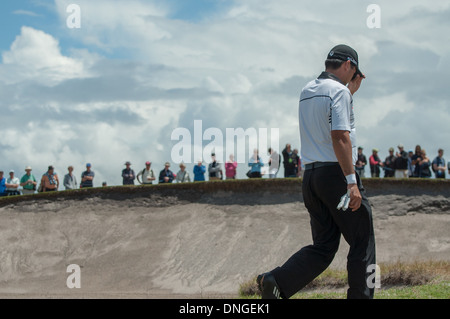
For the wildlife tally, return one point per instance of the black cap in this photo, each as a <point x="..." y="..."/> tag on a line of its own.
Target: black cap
<point x="345" y="53"/>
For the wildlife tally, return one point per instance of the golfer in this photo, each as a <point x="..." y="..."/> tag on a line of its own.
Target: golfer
<point x="332" y="191"/>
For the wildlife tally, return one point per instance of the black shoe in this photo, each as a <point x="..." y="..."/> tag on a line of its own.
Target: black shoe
<point x="268" y="286"/>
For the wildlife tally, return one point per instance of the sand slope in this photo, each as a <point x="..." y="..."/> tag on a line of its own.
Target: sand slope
<point x="193" y="240"/>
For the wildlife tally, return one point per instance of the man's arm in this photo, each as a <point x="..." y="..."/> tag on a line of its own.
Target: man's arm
<point x="342" y="146"/>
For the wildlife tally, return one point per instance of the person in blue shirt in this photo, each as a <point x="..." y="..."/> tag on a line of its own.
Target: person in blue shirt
<point x="166" y="175"/>
<point x="199" y="172"/>
<point x="255" y="163"/>
<point x="2" y="184"/>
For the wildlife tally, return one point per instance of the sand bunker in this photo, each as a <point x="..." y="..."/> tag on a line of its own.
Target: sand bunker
<point x="199" y="240"/>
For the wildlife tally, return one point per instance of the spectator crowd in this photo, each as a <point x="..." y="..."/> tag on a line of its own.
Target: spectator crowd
<point x="398" y="164"/>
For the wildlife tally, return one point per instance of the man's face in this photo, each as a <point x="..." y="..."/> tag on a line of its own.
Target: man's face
<point x="11" y="174"/>
<point x="1" y="175"/>
<point x="88" y="168"/>
<point x="441" y="153"/>
<point x="70" y="169"/>
<point x="166" y="167"/>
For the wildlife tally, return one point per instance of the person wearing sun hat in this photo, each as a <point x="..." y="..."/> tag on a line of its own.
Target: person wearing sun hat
<point x="182" y="175"/>
<point x="28" y="182"/>
<point x="128" y="175"/>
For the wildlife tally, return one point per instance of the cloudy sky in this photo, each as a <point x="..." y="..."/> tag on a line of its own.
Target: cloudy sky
<point x="115" y="89"/>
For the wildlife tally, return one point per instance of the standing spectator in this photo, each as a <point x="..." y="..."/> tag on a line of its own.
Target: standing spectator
<point x="401" y="163"/>
<point x="389" y="164"/>
<point x="287" y="161"/>
<point x="199" y="171"/>
<point x="87" y="177"/>
<point x="375" y="163"/>
<point x="410" y="166"/>
<point x="128" y="175"/>
<point x="255" y="164"/>
<point x="28" y="182"/>
<point x="230" y="168"/>
<point x="2" y="184"/>
<point x="166" y="175"/>
<point x="183" y="175"/>
<point x="50" y="180"/>
<point x="274" y="162"/>
<point x="214" y="169"/>
<point x="439" y="164"/>
<point x="423" y="162"/>
<point x="298" y="163"/>
<point x="12" y="184"/>
<point x="147" y="174"/>
<point x="414" y="160"/>
<point x="361" y="163"/>
<point x="70" y="181"/>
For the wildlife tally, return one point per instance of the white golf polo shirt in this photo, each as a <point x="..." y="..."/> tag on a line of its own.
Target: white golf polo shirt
<point x="325" y="105"/>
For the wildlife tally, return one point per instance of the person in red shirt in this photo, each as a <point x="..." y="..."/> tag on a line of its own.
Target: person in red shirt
<point x="375" y="163"/>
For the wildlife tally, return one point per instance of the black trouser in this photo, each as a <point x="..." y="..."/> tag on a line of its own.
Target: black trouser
<point x="322" y="189"/>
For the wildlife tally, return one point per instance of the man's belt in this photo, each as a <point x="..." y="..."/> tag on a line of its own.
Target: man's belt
<point x="320" y="164"/>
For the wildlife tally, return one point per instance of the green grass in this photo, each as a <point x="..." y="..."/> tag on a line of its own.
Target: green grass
<point x="399" y="280"/>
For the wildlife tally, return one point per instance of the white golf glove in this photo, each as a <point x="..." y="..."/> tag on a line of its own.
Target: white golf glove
<point x="345" y="201"/>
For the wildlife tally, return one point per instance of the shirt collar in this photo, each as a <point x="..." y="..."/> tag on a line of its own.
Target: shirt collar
<point x="328" y="75"/>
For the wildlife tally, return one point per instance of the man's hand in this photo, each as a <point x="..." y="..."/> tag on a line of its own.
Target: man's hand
<point x="354" y="84"/>
<point x="352" y="199"/>
<point x="355" y="197"/>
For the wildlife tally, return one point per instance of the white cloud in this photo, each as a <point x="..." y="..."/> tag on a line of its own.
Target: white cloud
<point x="35" y="55"/>
<point x="243" y="67"/>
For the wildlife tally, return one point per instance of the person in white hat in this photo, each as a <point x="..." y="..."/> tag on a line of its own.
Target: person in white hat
<point x="12" y="184"/>
<point x="28" y="182"/>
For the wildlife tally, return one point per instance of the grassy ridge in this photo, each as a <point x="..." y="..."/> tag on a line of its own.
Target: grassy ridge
<point x="418" y="280"/>
<point x="374" y="186"/>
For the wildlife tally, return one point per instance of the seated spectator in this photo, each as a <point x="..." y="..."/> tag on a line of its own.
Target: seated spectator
<point x="230" y="168"/>
<point x="128" y="175"/>
<point x="2" y="184"/>
<point x="166" y="175"/>
<point x="87" y="177"/>
<point x="439" y="164"/>
<point x="70" y="181"/>
<point x="424" y="164"/>
<point x="50" y="181"/>
<point x="28" y="182"/>
<point x="183" y="175"/>
<point x="375" y="163"/>
<point x="147" y="174"/>
<point x="255" y="162"/>
<point x="389" y="164"/>
<point x="12" y="184"/>
<point x="199" y="171"/>
<point x="214" y="169"/>
<point x="401" y="163"/>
